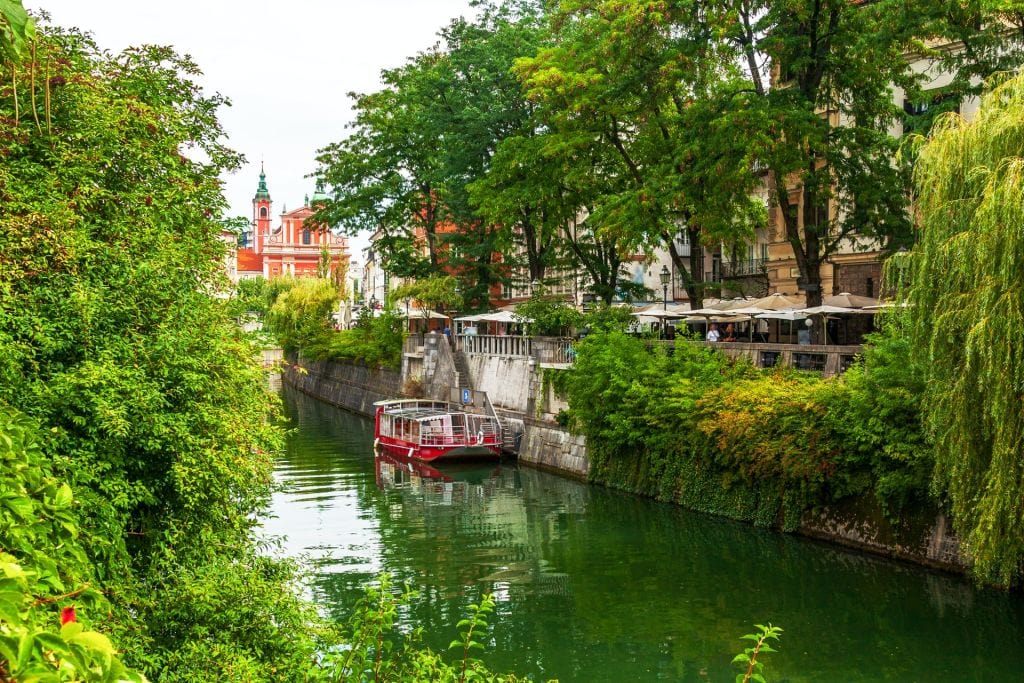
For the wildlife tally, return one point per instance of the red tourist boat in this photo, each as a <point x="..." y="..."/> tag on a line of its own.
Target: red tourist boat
<point x="432" y="430"/>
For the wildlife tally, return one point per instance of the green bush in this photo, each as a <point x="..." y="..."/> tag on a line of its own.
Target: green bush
<point x="721" y="436"/>
<point x="374" y="341"/>
<point x="549" y="317"/>
<point x="300" y="313"/>
<point x="49" y="592"/>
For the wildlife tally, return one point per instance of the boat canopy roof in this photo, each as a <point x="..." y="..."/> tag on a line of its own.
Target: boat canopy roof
<point x="416" y="408"/>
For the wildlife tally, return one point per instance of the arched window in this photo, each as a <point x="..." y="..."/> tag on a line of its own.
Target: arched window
<point x="306" y="237"/>
<point x="263" y="212"/>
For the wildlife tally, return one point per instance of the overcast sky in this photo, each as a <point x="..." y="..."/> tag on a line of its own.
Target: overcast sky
<point x="286" y="66"/>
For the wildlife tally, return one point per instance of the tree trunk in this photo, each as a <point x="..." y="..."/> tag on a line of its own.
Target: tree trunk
<point x="689" y="269"/>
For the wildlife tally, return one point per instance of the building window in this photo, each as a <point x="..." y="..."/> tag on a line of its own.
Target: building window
<point x="307" y="238"/>
<point x="821" y="212"/>
<point x="920" y="113"/>
<point x="263" y="212"/>
<point x="683" y="243"/>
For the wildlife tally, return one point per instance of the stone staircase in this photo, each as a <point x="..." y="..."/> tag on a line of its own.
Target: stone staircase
<point x="512" y="429"/>
<point x="462" y="376"/>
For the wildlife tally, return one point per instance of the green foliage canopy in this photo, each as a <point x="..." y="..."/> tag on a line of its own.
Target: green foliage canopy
<point x="151" y="402"/>
<point x="967" y="312"/>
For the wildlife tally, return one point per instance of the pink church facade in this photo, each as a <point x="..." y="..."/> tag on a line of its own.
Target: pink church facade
<point x="294" y="247"/>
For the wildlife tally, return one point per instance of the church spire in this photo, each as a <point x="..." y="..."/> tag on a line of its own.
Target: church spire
<point x="261" y="190"/>
<point x="319" y="195"/>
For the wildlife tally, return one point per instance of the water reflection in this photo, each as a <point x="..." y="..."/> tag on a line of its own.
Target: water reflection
<point x="595" y="585"/>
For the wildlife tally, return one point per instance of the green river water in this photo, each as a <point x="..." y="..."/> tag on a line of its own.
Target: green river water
<point x="593" y="585"/>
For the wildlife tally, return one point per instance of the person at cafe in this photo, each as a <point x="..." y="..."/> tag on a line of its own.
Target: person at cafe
<point x="730" y="333"/>
<point x="713" y="333"/>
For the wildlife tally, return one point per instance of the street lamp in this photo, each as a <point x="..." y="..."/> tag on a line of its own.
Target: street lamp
<point x="665" y="277"/>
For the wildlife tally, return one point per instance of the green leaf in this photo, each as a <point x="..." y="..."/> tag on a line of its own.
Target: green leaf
<point x="70" y="630"/>
<point x="8" y="648"/>
<point x="63" y="497"/>
<point x="94" y="640"/>
<point x="51" y="642"/>
<point x="25" y="648"/>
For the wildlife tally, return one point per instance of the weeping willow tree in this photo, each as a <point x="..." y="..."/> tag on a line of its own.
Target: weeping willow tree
<point x="967" y="314"/>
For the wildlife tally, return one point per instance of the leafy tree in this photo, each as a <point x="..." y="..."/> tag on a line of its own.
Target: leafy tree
<point x="149" y="397"/>
<point x="645" y="81"/>
<point x="547" y="316"/>
<point x="250" y="297"/>
<point x="300" y="314"/>
<point x="385" y="175"/>
<point x="822" y="129"/>
<point x="46" y="596"/>
<point x="482" y="104"/>
<point x="966" y="313"/>
<point x="438" y="292"/>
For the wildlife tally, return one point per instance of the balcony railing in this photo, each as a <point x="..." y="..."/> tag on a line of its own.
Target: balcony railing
<point x="501" y="345"/>
<point x="748" y="268"/>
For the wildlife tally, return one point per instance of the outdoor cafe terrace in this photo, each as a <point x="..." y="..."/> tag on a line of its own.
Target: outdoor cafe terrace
<point x="558" y="352"/>
<point x="771" y="331"/>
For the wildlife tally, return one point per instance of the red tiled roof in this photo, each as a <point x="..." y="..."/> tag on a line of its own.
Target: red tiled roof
<point x="249" y="261"/>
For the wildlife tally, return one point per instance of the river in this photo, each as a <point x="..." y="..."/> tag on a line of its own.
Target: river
<point x="593" y="585"/>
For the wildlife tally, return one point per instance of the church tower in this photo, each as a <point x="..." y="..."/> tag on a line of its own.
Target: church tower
<point x="261" y="213"/>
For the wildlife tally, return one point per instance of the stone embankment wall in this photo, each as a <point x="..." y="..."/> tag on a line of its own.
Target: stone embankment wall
<point x="548" y="446"/>
<point x="926" y="539"/>
<point x="352" y="387"/>
<point x="514" y="385"/>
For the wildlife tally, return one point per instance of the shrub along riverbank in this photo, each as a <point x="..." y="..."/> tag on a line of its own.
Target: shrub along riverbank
<point x="719" y="436"/>
<point x="298" y="314"/>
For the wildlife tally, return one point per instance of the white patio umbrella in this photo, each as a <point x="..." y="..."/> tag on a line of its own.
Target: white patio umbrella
<point x="424" y="315"/>
<point x="886" y="304"/>
<point x="778" y="302"/>
<point x="847" y="300"/>
<point x="825" y="310"/>
<point x="503" y="317"/>
<point x="788" y="314"/>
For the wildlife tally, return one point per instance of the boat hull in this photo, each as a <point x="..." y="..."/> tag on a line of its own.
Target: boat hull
<point x="432" y="453"/>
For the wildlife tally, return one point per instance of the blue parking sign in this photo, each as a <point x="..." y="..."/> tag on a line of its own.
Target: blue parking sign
<point x="466" y="397"/>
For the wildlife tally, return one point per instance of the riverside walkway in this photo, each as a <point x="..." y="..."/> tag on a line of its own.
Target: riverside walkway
<point x="828" y="359"/>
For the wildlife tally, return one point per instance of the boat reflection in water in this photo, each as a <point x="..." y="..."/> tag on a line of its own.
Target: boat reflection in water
<point x="397" y="472"/>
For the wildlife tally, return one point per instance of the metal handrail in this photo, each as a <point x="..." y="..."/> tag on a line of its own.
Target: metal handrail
<point x="744" y="268"/>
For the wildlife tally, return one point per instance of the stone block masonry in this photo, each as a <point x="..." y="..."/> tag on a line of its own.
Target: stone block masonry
<point x="352" y="387"/>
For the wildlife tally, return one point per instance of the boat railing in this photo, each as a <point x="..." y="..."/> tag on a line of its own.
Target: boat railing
<point x="485" y="432"/>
